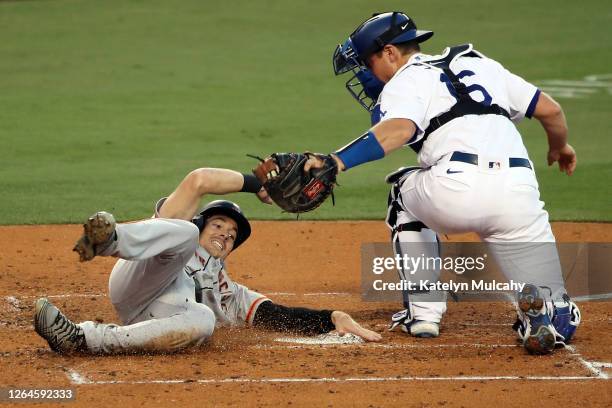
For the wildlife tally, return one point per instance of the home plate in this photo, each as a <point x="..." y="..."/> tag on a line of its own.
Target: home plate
<point x="329" y="338"/>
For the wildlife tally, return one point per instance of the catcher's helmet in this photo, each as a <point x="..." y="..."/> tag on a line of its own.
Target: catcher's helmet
<point x="229" y="209"/>
<point x="370" y="37"/>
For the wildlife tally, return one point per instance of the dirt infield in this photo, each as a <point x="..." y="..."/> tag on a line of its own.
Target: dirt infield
<point x="475" y="361"/>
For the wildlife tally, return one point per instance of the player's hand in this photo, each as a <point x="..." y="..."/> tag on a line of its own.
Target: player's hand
<point x="345" y="324"/>
<point x="263" y="196"/>
<point x="566" y="157"/>
<point x="315" y="162"/>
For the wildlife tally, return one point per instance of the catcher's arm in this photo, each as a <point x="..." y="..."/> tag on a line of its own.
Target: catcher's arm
<point x="550" y="114"/>
<point x="380" y="140"/>
<point x="272" y="316"/>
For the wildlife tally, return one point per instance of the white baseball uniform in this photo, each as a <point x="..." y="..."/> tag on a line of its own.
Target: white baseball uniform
<point x="499" y="202"/>
<point x="153" y="290"/>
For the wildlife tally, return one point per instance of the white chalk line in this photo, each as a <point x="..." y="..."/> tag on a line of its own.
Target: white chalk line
<point x="78" y="379"/>
<point x="24" y="328"/>
<point x="593" y="367"/>
<point x="311" y="346"/>
<point x="13" y="302"/>
<point x="60" y="296"/>
<point x="585" y="298"/>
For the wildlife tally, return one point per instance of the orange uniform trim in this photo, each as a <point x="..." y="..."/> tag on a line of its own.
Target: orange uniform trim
<point x="253" y="308"/>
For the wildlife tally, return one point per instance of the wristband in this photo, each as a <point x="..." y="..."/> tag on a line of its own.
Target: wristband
<point x="251" y="184"/>
<point x="361" y="150"/>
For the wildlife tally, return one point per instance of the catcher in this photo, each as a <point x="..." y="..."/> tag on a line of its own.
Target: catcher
<point x="458" y="112"/>
<point x="170" y="287"/>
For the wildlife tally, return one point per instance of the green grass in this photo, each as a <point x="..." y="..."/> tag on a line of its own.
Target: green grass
<point x="107" y="105"/>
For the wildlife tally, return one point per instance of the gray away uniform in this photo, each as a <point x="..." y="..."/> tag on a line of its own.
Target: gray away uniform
<point x="153" y="291"/>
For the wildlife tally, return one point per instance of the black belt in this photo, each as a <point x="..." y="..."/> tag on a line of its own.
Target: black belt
<point x="473" y="159"/>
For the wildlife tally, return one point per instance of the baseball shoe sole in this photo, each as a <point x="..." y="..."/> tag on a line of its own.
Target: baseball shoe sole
<point x="97" y="231"/>
<point x="424" y="329"/>
<point x="63" y="336"/>
<point x="542" y="337"/>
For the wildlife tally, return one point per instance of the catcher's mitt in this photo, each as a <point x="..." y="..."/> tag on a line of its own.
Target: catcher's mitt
<point x="293" y="190"/>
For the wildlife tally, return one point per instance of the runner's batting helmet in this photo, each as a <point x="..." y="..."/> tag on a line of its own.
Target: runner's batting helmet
<point x="229" y="209"/>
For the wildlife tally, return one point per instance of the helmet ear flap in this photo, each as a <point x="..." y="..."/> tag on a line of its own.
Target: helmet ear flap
<point x="199" y="221"/>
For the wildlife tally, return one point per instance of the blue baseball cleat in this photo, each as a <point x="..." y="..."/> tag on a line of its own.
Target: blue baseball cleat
<point x="542" y="325"/>
<point x="536" y="331"/>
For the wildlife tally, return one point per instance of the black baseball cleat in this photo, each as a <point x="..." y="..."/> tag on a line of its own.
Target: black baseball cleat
<point x="63" y="336"/>
<point x="98" y="234"/>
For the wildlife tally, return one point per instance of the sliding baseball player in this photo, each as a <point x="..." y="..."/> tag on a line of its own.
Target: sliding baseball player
<point x="170" y="286"/>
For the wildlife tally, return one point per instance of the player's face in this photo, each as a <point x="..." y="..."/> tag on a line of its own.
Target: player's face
<point x="219" y="235"/>
<point x="382" y="64"/>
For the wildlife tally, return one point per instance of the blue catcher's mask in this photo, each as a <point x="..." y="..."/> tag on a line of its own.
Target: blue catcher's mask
<point x="370" y="37"/>
<point x="362" y="85"/>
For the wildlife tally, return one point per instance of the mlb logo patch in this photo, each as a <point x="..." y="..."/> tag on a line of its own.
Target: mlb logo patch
<point x="495" y="165"/>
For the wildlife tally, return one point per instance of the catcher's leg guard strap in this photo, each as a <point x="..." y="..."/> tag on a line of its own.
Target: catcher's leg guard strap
<point x="412" y="238"/>
<point x="405" y="222"/>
